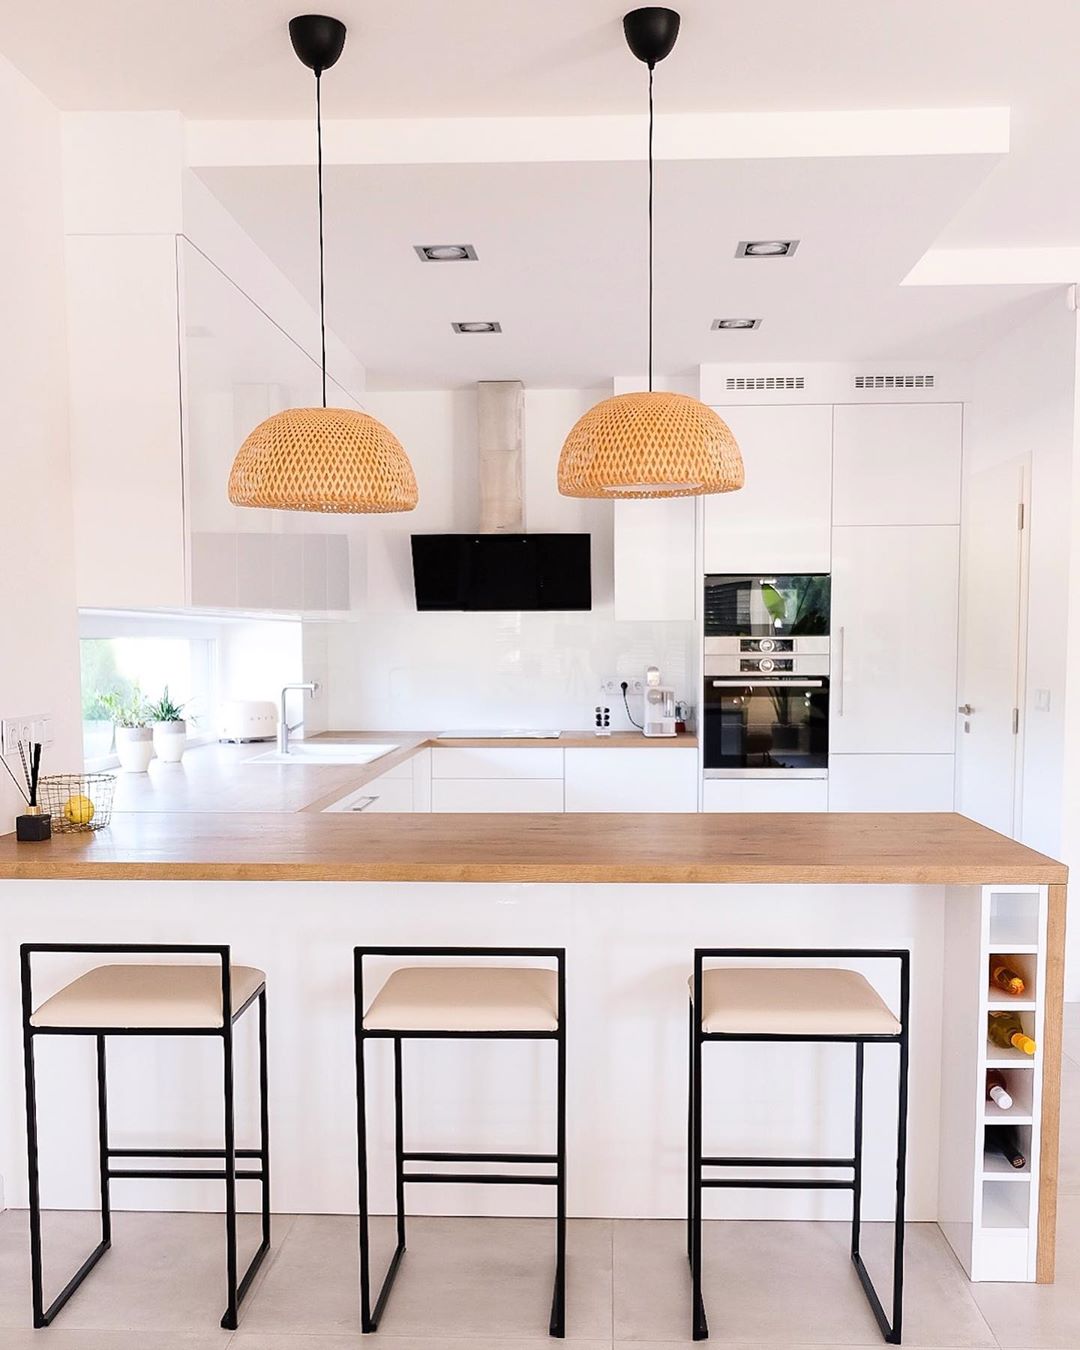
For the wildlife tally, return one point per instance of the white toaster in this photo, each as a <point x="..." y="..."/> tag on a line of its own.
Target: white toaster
<point x="248" y="720"/>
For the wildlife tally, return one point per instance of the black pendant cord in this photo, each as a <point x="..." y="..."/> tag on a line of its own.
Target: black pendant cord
<point x="322" y="268"/>
<point x="651" y="119"/>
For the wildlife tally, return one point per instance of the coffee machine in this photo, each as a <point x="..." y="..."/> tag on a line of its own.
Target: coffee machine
<point x="659" y="715"/>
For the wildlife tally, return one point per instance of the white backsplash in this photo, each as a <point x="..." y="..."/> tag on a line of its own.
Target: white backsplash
<point x="493" y="671"/>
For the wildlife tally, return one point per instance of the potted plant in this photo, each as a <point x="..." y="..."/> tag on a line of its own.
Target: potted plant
<point x="170" y="728"/>
<point x="134" y="737"/>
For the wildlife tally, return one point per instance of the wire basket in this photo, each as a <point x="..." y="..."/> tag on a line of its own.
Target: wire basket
<point x="77" y="801"/>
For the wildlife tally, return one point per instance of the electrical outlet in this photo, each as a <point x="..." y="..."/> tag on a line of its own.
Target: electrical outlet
<point x="25" y="729"/>
<point x="615" y="687"/>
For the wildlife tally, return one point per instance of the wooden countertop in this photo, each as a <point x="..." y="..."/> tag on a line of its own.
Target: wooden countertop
<point x="221" y="778"/>
<point x="829" y="848"/>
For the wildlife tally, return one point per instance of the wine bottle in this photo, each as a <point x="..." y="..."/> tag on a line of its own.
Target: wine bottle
<point x="1004" y="977"/>
<point x="1004" y="1139"/>
<point x="997" y="1091"/>
<point x="1006" y="1029"/>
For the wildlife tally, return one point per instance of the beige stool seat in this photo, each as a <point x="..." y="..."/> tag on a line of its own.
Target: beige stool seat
<point x="161" y="997"/>
<point x="466" y="998"/>
<point x="779" y="1001"/>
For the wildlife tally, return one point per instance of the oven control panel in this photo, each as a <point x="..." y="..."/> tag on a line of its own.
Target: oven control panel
<point x="767" y="644"/>
<point x="768" y="664"/>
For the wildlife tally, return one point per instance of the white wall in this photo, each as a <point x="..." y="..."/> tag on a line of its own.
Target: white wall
<point x="394" y="668"/>
<point x="38" y="646"/>
<point x="1023" y="395"/>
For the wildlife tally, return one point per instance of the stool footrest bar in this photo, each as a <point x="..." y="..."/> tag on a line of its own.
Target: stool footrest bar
<point x="778" y="1162"/>
<point x="485" y="1179"/>
<point x="775" y="1184"/>
<point x="180" y="1174"/>
<point x="180" y="1153"/>
<point x="413" y="1156"/>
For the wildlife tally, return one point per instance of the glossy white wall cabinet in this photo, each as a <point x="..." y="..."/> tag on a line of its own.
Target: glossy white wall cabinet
<point x="779" y="521"/>
<point x="896" y="464"/>
<point x="763" y="794"/>
<point x="128" y="484"/>
<point x="891" y="782"/>
<point x="655" y="576"/>
<point x="894" y="617"/>
<point x="630" y="779"/>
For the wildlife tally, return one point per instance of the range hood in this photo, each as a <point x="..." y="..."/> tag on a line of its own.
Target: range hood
<point x="500" y="566"/>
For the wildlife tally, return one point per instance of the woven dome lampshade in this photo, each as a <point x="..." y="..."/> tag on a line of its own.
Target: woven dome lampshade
<point x="323" y="459"/>
<point x="649" y="445"/>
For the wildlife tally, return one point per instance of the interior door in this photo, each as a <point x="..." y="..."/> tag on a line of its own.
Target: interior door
<point x="992" y="639"/>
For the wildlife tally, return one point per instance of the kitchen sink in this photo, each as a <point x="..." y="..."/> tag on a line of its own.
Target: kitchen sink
<point x="324" y="752"/>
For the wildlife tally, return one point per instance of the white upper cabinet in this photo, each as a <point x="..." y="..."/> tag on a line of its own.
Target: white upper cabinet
<point x="897" y="464"/>
<point x="894" y="620"/>
<point x="655" y="572"/>
<point x="778" y="522"/>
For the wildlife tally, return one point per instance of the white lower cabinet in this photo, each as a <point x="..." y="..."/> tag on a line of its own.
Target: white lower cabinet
<point x="891" y="782"/>
<point x="475" y="761"/>
<point x="764" y="794"/>
<point x="389" y="792"/>
<point x="496" y="794"/>
<point x="630" y="779"/>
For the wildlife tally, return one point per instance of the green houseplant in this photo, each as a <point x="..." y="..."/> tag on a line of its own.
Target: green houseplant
<point x="170" y="728"/>
<point x="134" y="738"/>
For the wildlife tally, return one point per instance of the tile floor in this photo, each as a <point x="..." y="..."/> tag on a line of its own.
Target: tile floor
<point x="486" y="1282"/>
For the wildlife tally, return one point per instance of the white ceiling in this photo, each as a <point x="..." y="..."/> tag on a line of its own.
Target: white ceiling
<point x="562" y="262"/>
<point x="561" y="244"/>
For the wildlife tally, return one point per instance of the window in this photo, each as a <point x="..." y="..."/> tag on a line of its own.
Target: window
<point x="140" y="669"/>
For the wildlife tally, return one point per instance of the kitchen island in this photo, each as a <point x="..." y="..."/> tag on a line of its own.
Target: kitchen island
<point x="629" y="896"/>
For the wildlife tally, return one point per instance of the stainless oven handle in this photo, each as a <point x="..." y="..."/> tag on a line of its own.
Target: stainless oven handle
<point x="840" y="671"/>
<point x="759" y="684"/>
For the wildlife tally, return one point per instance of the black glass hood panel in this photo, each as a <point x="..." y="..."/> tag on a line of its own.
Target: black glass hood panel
<point x="502" y="571"/>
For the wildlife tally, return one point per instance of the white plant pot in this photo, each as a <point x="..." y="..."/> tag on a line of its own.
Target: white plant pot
<point x="170" y="741"/>
<point x="134" y="748"/>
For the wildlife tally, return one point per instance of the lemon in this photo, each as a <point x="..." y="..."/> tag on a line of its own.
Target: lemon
<point x="79" y="810"/>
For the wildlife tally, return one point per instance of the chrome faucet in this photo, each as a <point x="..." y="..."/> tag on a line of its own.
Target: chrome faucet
<point x="283" y="726"/>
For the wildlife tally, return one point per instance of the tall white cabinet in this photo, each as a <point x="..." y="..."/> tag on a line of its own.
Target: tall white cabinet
<point x="895" y="587"/>
<point x="869" y="492"/>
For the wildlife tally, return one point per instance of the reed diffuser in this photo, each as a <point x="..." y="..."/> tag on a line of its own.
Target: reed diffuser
<point x="34" y="824"/>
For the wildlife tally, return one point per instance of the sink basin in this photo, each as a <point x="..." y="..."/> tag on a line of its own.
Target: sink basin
<point x="324" y="752"/>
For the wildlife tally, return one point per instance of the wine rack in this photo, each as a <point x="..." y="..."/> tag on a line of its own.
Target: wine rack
<point x="989" y="1210"/>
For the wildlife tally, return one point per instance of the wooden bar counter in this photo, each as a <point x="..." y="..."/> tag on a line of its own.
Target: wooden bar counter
<point x="629" y="897"/>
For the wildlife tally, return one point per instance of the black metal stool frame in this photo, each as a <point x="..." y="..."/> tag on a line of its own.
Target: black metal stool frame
<point x="228" y="1172"/>
<point x="370" y="1316"/>
<point x="696" y="1181"/>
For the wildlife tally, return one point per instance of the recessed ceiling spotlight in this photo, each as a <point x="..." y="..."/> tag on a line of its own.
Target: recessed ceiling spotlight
<point x="477" y="326"/>
<point x="445" y="252"/>
<point x="736" y="323"/>
<point x="766" y="248"/>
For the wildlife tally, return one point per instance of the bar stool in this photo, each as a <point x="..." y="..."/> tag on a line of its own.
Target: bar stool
<point x="808" y="1004"/>
<point x="460" y="1002"/>
<point x="149" y="1000"/>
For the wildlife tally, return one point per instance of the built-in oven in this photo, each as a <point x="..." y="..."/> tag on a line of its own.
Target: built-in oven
<point x="766" y="697"/>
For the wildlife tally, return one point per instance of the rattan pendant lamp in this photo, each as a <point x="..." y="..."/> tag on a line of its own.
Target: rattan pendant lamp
<point x="650" y="444"/>
<point x="322" y="459"/>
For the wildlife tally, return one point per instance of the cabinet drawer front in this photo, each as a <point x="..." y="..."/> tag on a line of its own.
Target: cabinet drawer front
<point x="759" y="794"/>
<point x="496" y="794"/>
<point x="485" y="762"/>
<point x="385" y="793"/>
<point x="657" y="779"/>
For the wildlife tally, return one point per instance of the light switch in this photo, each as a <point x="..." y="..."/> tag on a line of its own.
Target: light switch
<point x="1042" y="700"/>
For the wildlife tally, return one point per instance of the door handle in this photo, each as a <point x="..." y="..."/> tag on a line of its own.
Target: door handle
<point x="840" y="672"/>
<point x="965" y="710"/>
<point x="367" y="801"/>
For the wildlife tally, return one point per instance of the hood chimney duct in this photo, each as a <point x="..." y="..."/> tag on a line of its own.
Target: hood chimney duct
<point x="500" y="441"/>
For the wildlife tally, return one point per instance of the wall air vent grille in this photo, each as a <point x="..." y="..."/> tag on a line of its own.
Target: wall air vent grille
<point x="894" y="381"/>
<point x="746" y="383"/>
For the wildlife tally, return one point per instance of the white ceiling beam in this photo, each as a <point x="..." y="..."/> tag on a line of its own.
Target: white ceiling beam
<point x="679" y="136"/>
